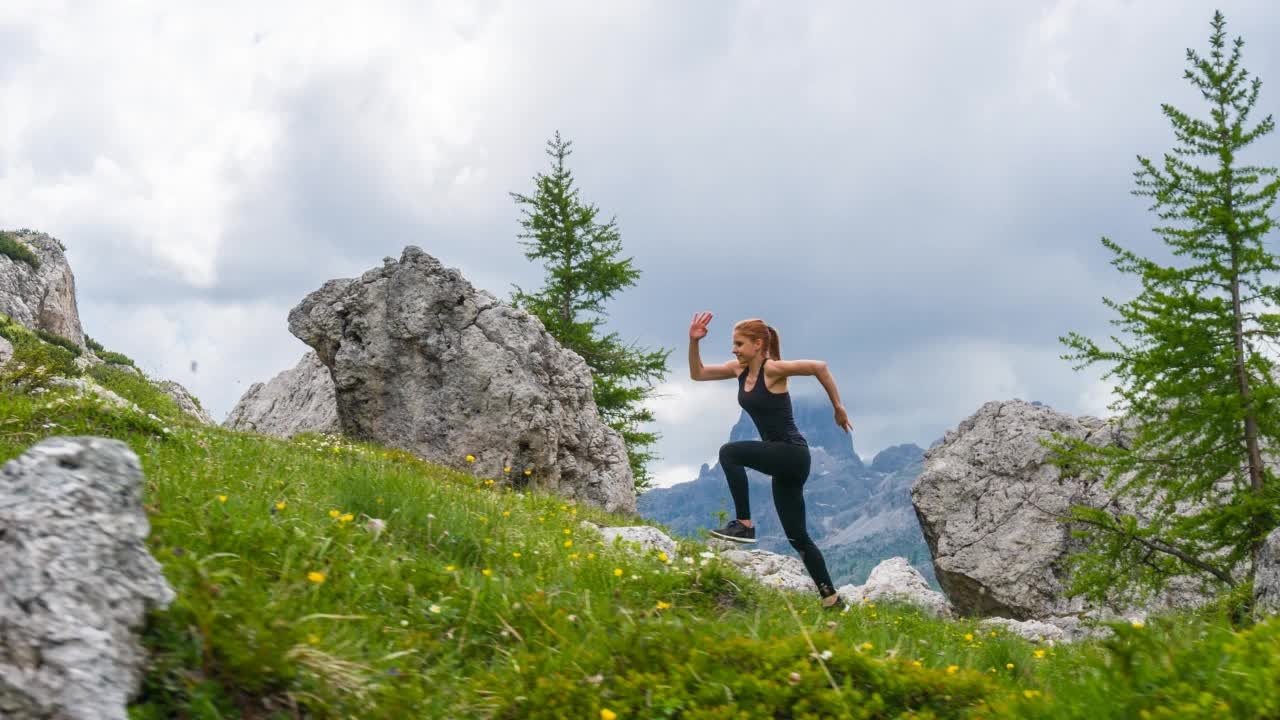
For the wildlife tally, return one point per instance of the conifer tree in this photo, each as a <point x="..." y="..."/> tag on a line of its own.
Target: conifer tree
<point x="1197" y="389"/>
<point x="579" y="254"/>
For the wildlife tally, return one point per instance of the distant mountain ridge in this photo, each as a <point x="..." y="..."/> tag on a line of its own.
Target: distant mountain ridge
<point x="858" y="514"/>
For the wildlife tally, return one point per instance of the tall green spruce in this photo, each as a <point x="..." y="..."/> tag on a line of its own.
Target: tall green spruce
<point x="1200" y="394"/>
<point x="581" y="273"/>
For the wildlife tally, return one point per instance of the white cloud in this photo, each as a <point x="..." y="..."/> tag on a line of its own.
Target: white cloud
<point x="922" y="191"/>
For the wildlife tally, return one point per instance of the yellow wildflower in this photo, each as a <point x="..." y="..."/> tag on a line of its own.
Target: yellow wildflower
<point x="567" y="531"/>
<point x="1029" y="694"/>
<point x="222" y="498"/>
<point x="347" y="518"/>
<point x="564" y="507"/>
<point x="449" y="568"/>
<point x="1039" y="653"/>
<point x="506" y="469"/>
<point x="528" y="472"/>
<point x="916" y="663"/>
<point x="663" y="605"/>
<point x="617" y="572"/>
<point x="515" y="554"/>
<point x="315" y="577"/>
<point x="568" y="543"/>
<point x="951" y="669"/>
<point x="663" y="556"/>
<point x="486" y="572"/>
<point x="591" y="556"/>
<point x="506" y="513"/>
<point x="968" y="637"/>
<point x="280" y="505"/>
<point x="471" y="458"/>
<point x="867" y="646"/>
<point x="573" y="556"/>
<point x="334" y="513"/>
<point x="1138" y="624"/>
<point x="607" y="714"/>
<point x="1008" y="666"/>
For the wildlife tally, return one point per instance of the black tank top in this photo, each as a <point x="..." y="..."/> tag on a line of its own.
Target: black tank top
<point x="771" y="412"/>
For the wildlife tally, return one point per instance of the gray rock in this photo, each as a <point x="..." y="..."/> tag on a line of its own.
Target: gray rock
<point x="87" y="387"/>
<point x="424" y="362"/>
<point x="6" y="351"/>
<point x="187" y="402"/>
<point x="1033" y="630"/>
<point x="297" y="400"/>
<point x="645" y="537"/>
<point x="43" y="298"/>
<point x="78" y="580"/>
<point x="895" y="580"/>
<point x="771" y="568"/>
<point x="1266" y="580"/>
<point x="987" y="501"/>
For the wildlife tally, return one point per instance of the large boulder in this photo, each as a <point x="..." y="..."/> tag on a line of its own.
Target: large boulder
<point x="989" y="502"/>
<point x="300" y="399"/>
<point x="1266" y="580"/>
<point x="78" y="580"/>
<point x="423" y="361"/>
<point x="45" y="297"/>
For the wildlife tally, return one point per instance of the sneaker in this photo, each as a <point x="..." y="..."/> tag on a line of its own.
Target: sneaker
<point x="736" y="532"/>
<point x="830" y="598"/>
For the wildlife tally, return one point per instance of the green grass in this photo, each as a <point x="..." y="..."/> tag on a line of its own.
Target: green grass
<point x="10" y="247"/>
<point x="407" y="623"/>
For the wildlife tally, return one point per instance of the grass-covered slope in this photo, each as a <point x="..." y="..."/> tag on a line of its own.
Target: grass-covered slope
<point x="320" y="578"/>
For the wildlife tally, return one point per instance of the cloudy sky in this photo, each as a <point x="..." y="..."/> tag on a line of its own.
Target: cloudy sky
<point x="913" y="192"/>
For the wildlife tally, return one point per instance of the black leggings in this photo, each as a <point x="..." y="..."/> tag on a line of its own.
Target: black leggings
<point x="788" y="464"/>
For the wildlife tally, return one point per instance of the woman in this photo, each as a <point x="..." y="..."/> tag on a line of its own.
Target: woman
<point x="781" y="452"/>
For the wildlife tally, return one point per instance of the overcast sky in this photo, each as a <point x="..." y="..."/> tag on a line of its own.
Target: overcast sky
<point x="913" y="192"/>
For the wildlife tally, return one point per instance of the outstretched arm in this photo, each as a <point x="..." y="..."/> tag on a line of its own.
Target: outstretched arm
<point x="818" y="369"/>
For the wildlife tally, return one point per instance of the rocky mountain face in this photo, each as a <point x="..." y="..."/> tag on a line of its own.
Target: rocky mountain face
<point x="422" y="361"/>
<point x="858" y="515"/>
<point x="41" y="298"/>
<point x="300" y="399"/>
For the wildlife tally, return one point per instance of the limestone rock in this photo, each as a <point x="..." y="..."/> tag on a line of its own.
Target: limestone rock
<point x="646" y="537"/>
<point x="187" y="402"/>
<point x="772" y="569"/>
<point x="78" y="580"/>
<point x="987" y="500"/>
<point x="424" y="362"/>
<point x="44" y="297"/>
<point x="1033" y="630"/>
<point x="6" y="351"/>
<point x="1266" y="581"/>
<point x="297" y="400"/>
<point x="895" y="580"/>
<point x="86" y="387"/>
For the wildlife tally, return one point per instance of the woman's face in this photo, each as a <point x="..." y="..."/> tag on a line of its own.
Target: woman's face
<point x="745" y="348"/>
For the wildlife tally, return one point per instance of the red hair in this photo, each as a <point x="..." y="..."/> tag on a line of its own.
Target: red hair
<point x="756" y="329"/>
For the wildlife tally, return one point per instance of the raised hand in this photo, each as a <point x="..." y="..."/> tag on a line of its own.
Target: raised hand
<point x="698" y="329"/>
<point x="842" y="419"/>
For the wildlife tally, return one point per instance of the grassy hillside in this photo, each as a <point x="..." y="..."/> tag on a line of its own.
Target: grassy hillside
<point x="322" y="578"/>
